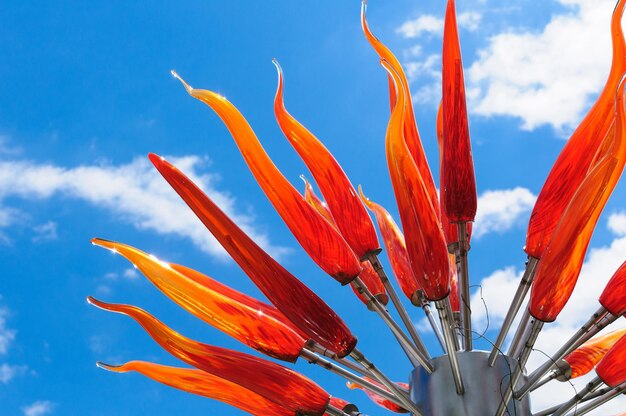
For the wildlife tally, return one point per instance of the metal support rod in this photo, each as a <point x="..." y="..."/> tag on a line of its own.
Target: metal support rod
<point x="357" y="368"/>
<point x="520" y="335"/>
<point x="590" y="396"/>
<point x="546" y="380"/>
<point x="393" y="387"/>
<point x="408" y="347"/>
<point x="600" y="400"/>
<point x="518" y="298"/>
<point x="333" y="411"/>
<point x="404" y="315"/>
<point x="600" y="319"/>
<point x="322" y="362"/>
<point x="445" y="315"/>
<point x="464" y="285"/>
<point x="535" y="329"/>
<point x="589" y="387"/>
<point x="433" y="324"/>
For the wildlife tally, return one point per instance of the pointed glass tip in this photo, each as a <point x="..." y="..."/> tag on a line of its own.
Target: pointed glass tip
<point x="188" y="87"/>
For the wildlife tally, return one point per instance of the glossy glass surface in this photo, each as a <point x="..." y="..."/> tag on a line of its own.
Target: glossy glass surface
<point x="455" y="304"/>
<point x="572" y="165"/>
<point x="318" y="238"/>
<point x="612" y="368"/>
<point x="204" y="384"/>
<point x="425" y="242"/>
<point x="242" y="317"/>
<point x="275" y="382"/>
<point x="395" y="246"/>
<point x="411" y="133"/>
<point x="296" y="301"/>
<point x="382" y="402"/>
<point x="562" y="260"/>
<point x="613" y="297"/>
<point x="582" y="360"/>
<point x="458" y="183"/>
<point x="350" y="215"/>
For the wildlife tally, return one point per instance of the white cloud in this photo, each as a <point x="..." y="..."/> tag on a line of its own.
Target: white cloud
<point x="134" y="191"/>
<point x="469" y="20"/>
<point x="500" y="210"/>
<point x="9" y="372"/>
<point x="45" y="232"/>
<point x="433" y="25"/>
<point x="38" y="408"/>
<point x="617" y="223"/>
<point x="547" y="77"/>
<point x="7" y="335"/>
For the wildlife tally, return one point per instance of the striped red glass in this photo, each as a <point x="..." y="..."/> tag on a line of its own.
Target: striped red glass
<point x="582" y="360"/>
<point x="612" y="368"/>
<point x="613" y="297"/>
<point x="382" y="402"/>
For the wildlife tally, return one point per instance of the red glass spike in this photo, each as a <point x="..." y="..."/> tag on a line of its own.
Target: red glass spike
<point x="562" y="260"/>
<point x="411" y="133"/>
<point x="382" y="402"/>
<point x="296" y="301"/>
<point x="426" y="245"/>
<point x="613" y="297"/>
<point x="275" y="382"/>
<point x="612" y="367"/>
<point x="204" y="384"/>
<point x="395" y="246"/>
<point x="348" y="211"/>
<point x="572" y="165"/>
<point x="315" y="201"/>
<point x="458" y="183"/>
<point x="319" y="239"/>
<point x="585" y="358"/>
<point x="239" y="316"/>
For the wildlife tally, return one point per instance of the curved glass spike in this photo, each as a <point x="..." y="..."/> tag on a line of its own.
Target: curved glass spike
<point x="350" y="215"/>
<point x="296" y="301"/>
<point x="393" y="239"/>
<point x="562" y="260"/>
<point x="382" y="402"/>
<point x="572" y="165"/>
<point x="411" y="133"/>
<point x="241" y="317"/>
<point x="613" y="297"/>
<point x="426" y="245"/>
<point x="204" y="384"/>
<point x="458" y="182"/>
<point x="318" y="238"/>
<point x="368" y="275"/>
<point x="582" y="360"/>
<point x="612" y="367"/>
<point x="275" y="382"/>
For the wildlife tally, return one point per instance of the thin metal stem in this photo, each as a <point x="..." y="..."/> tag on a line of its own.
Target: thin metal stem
<point x="600" y="319"/>
<point x="433" y="324"/>
<point x="404" y="316"/>
<point x="445" y="315"/>
<point x="600" y="401"/>
<point x="333" y="411"/>
<point x="406" y="402"/>
<point x="520" y="295"/>
<point x="590" y="387"/>
<point x="408" y="347"/>
<point x="588" y="397"/>
<point x="357" y="368"/>
<point x="546" y="380"/>
<point x="464" y="284"/>
<point x="520" y="334"/>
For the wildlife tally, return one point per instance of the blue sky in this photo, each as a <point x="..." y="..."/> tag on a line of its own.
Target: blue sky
<point x="86" y="94"/>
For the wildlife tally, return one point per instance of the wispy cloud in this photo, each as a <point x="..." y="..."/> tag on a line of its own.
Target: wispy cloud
<point x="45" y="232"/>
<point x="433" y="25"/>
<point x="501" y="210"/>
<point x="8" y="372"/>
<point x="38" y="408"/>
<point x="7" y="335"/>
<point x="617" y="223"/>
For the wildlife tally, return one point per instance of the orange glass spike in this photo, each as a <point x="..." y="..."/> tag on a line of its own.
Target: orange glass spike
<point x="411" y="133"/>
<point x="348" y="211"/>
<point x="395" y="246"/>
<point x="239" y="316"/>
<point x="613" y="297"/>
<point x="318" y="237"/>
<point x="275" y="382"/>
<point x="562" y="260"/>
<point x="455" y="304"/>
<point x="204" y="384"/>
<point x="612" y="367"/>
<point x="296" y="301"/>
<point x="458" y="182"/>
<point x="584" y="359"/>
<point x="425" y="242"/>
<point x="382" y="402"/>
<point x="319" y="205"/>
<point x="572" y="165"/>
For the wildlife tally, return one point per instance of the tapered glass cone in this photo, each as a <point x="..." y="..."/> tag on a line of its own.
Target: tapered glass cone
<point x="204" y="384"/>
<point x="575" y="160"/>
<point x="350" y="215"/>
<point x="409" y="125"/>
<point x="254" y="323"/>
<point x="613" y="298"/>
<point x="381" y="401"/>
<point x="612" y="367"/>
<point x="277" y="383"/>
<point x="425" y="242"/>
<point x="584" y="359"/>
<point x="296" y="301"/>
<point x="458" y="182"/>
<point x="316" y="235"/>
<point x="562" y="260"/>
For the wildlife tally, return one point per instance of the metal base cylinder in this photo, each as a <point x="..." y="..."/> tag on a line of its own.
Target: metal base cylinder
<point x="485" y="386"/>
